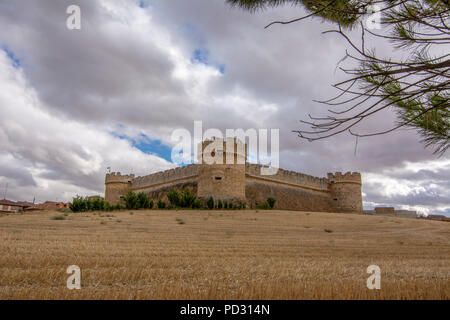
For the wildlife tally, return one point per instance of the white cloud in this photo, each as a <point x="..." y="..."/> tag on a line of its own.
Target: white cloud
<point x="61" y="156"/>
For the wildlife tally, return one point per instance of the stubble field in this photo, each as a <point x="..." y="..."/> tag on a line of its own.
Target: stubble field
<point x="222" y="255"/>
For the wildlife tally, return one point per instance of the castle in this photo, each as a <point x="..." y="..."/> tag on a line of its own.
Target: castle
<point x="239" y="181"/>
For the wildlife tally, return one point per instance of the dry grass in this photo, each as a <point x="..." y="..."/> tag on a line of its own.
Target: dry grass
<point x="222" y="255"/>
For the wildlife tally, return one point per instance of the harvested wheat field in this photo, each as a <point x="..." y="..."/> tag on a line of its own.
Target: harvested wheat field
<point x="222" y="255"/>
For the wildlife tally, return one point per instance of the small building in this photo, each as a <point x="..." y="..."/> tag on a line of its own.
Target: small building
<point x="437" y="217"/>
<point x="7" y="206"/>
<point x="384" y="210"/>
<point x="392" y="212"/>
<point x="49" y="205"/>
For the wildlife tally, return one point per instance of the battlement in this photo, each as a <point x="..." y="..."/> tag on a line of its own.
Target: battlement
<point x="290" y="177"/>
<point x="117" y="177"/>
<point x="241" y="181"/>
<point x="165" y="176"/>
<point x="223" y="147"/>
<point x="348" y="177"/>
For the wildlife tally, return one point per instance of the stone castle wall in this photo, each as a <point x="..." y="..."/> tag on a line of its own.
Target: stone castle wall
<point x="288" y="178"/>
<point x="287" y="198"/>
<point x="292" y="190"/>
<point x="117" y="185"/>
<point x="165" y="178"/>
<point x="346" y="191"/>
<point x="161" y="192"/>
<point x="252" y="173"/>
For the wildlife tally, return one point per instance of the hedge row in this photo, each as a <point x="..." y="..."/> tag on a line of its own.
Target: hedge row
<point x="176" y="199"/>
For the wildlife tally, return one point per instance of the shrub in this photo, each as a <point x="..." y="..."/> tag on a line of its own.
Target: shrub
<point x="210" y="203"/>
<point x="131" y="200"/>
<point x="58" y="218"/>
<point x="174" y="198"/>
<point x="225" y="205"/>
<point x="219" y="204"/>
<point x="89" y="204"/>
<point x="161" y="204"/>
<point x="81" y="205"/>
<point x="187" y="198"/>
<point x="95" y="205"/>
<point x="264" y="206"/>
<point x="144" y="201"/>
<point x="78" y="205"/>
<point x="197" y="204"/>
<point x="271" y="201"/>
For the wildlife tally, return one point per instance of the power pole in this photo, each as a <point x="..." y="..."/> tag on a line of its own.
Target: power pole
<point x="6" y="191"/>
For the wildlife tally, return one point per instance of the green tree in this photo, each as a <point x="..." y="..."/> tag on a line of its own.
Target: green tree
<point x="271" y="201"/>
<point x="210" y="203"/>
<point x="161" y="204"/>
<point x="197" y="204"/>
<point x="174" y="198"/>
<point x="144" y="201"/>
<point x="187" y="198"/>
<point x="131" y="201"/>
<point x="417" y="86"/>
<point x="78" y="205"/>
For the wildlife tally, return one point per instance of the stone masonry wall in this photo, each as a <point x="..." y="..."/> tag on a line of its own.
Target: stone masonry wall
<point x="287" y="198"/>
<point x="164" y="178"/>
<point x="289" y="177"/>
<point x="292" y="190"/>
<point x="161" y="193"/>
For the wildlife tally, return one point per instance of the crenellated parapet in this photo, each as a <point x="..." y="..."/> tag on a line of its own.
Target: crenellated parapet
<point x="222" y="169"/>
<point x="116" y="186"/>
<point x="289" y="177"/>
<point x="240" y="181"/>
<point x="166" y="176"/>
<point x="345" y="191"/>
<point x="117" y="177"/>
<point x="348" y="177"/>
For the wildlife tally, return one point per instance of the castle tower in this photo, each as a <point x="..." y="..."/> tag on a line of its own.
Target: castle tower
<point x="221" y="171"/>
<point x="346" y="191"/>
<point x="117" y="185"/>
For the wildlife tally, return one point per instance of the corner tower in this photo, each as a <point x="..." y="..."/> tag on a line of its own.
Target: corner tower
<point x="346" y="191"/>
<point x="221" y="173"/>
<point x="117" y="185"/>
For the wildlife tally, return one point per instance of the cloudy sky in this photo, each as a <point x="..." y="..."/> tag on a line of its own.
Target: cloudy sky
<point x="74" y="102"/>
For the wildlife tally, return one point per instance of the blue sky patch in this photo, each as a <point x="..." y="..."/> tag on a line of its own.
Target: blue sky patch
<point x="14" y="60"/>
<point x="155" y="147"/>
<point x="144" y="4"/>
<point x="202" y="56"/>
<point x="149" y="146"/>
